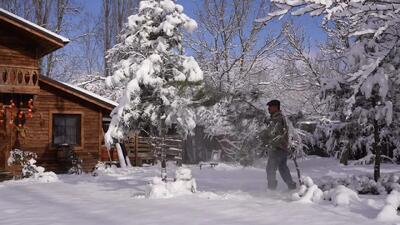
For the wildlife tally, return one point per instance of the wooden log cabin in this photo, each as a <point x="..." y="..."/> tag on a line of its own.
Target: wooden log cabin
<point x="39" y="114"/>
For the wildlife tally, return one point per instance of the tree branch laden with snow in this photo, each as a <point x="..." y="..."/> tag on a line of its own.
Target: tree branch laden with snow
<point x="159" y="80"/>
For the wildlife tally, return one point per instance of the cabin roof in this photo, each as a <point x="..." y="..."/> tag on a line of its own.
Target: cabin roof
<point x="80" y="93"/>
<point x="47" y="41"/>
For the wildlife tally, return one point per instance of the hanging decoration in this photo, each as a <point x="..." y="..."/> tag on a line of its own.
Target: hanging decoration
<point x="15" y="117"/>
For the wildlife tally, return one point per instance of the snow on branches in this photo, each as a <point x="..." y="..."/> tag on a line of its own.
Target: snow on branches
<point x="367" y="37"/>
<point x="159" y="79"/>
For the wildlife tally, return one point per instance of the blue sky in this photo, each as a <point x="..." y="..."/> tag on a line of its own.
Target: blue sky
<point x="311" y="25"/>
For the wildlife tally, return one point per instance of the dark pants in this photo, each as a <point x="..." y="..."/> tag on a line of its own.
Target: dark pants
<point x="277" y="160"/>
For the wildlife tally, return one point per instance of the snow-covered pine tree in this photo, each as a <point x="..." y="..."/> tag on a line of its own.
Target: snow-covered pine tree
<point x="159" y="80"/>
<point x="371" y="49"/>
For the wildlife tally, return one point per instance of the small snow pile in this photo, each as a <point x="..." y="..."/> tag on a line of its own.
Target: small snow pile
<point x="389" y="211"/>
<point x="183" y="174"/>
<point x="228" y="166"/>
<point x="184" y="184"/>
<point x="341" y="195"/>
<point x="102" y="168"/>
<point x="31" y="172"/>
<point x="308" y="193"/>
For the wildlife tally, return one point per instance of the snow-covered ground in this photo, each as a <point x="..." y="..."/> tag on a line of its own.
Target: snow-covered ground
<point x="227" y="194"/>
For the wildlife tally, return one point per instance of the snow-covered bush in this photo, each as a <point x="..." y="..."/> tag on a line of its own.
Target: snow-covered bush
<point x="26" y="160"/>
<point x="184" y="184"/>
<point x="308" y="192"/>
<point x="19" y="157"/>
<point x="37" y="173"/>
<point x="363" y="184"/>
<point x="341" y="195"/>
<point x="390" y="211"/>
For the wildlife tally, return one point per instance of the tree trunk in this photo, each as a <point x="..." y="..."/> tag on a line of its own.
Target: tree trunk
<point x="377" y="150"/>
<point x="163" y="132"/>
<point x="107" y="43"/>
<point x="344" y="158"/>
<point x="376" y="147"/>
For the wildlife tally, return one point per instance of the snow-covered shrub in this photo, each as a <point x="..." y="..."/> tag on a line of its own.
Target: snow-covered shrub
<point x="26" y="160"/>
<point x="19" y="157"/>
<point x="341" y="195"/>
<point x="309" y="192"/>
<point x="37" y="173"/>
<point x="390" y="211"/>
<point x="363" y="184"/>
<point x="183" y="184"/>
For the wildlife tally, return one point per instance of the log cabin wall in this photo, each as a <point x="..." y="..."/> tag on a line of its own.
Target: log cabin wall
<point x="50" y="101"/>
<point x="22" y="44"/>
<point x="15" y="51"/>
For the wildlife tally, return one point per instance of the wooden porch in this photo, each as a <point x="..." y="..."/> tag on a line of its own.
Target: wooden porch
<point x="19" y="79"/>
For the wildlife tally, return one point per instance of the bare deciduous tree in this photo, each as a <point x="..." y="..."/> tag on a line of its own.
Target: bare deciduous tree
<point x="115" y="14"/>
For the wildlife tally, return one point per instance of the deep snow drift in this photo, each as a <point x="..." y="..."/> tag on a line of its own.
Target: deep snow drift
<point x="227" y="194"/>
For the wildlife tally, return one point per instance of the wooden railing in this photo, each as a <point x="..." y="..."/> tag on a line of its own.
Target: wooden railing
<point x="146" y="149"/>
<point x="139" y="150"/>
<point x="15" y="79"/>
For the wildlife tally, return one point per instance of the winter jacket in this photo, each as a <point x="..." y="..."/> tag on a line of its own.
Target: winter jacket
<point x="275" y="136"/>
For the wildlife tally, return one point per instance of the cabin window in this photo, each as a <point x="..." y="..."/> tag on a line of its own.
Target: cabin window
<point x="66" y="129"/>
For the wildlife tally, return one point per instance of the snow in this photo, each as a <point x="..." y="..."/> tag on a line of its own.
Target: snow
<point x="228" y="194"/>
<point x="151" y="40"/>
<point x="308" y="192"/>
<point x="389" y="211"/>
<point x="183" y="184"/>
<point x="341" y="195"/>
<point x="91" y="94"/>
<point x="63" y="39"/>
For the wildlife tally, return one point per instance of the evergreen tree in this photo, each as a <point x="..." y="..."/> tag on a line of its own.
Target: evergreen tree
<point x="159" y="80"/>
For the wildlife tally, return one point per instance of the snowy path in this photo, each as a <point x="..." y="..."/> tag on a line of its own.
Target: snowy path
<point x="227" y="195"/>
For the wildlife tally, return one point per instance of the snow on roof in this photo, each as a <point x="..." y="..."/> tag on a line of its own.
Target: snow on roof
<point x="91" y="94"/>
<point x="63" y="39"/>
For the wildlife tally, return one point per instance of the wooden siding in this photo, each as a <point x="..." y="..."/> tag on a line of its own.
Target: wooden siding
<point x="39" y="138"/>
<point x="16" y="51"/>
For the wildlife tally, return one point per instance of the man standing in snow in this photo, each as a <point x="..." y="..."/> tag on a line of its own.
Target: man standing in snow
<point x="276" y="139"/>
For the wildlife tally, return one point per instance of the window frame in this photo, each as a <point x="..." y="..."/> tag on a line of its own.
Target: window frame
<point x="66" y="113"/>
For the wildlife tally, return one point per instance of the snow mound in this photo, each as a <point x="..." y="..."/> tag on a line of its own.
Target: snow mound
<point x="308" y="192"/>
<point x="184" y="184"/>
<point x="44" y="177"/>
<point x="39" y="177"/>
<point x="341" y="195"/>
<point x="127" y="173"/>
<point x="234" y="195"/>
<point x="183" y="174"/>
<point x="389" y="211"/>
<point x="228" y="167"/>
